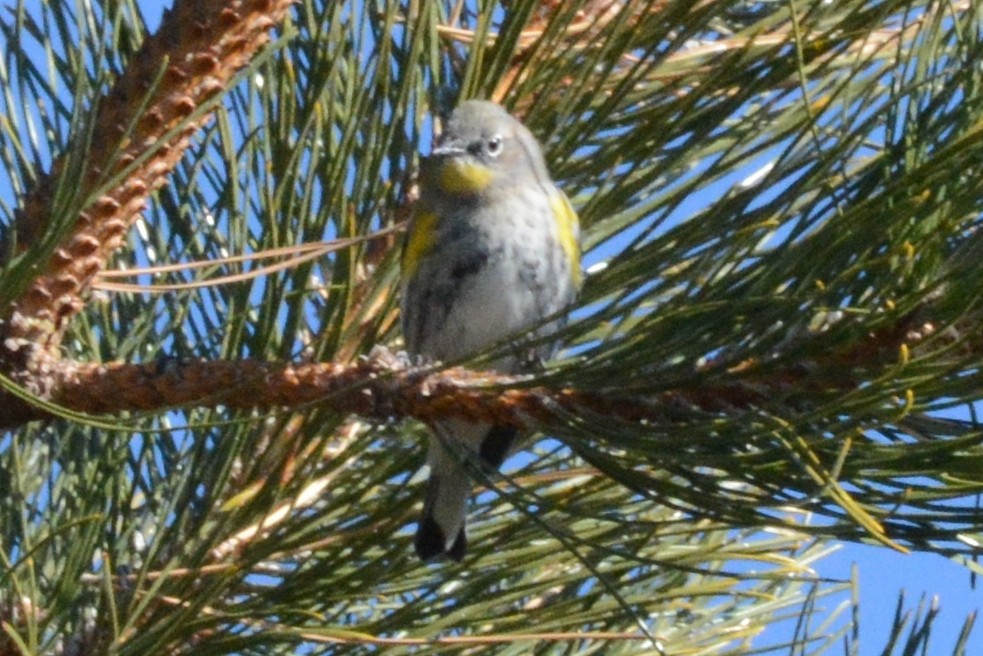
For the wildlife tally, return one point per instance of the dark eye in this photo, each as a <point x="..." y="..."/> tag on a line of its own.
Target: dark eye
<point x="494" y="146"/>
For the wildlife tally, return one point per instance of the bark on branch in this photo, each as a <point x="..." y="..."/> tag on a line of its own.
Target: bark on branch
<point x="376" y="388"/>
<point x="385" y="387"/>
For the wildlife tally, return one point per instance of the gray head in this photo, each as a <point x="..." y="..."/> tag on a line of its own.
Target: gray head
<point x="480" y="142"/>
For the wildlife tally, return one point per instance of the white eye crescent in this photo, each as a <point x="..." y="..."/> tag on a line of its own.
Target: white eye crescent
<point x="494" y="146"/>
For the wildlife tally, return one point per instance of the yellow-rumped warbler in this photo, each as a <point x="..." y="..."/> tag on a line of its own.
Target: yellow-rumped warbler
<point x="493" y="250"/>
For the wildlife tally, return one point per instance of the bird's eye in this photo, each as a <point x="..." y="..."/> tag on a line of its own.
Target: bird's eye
<point x="494" y="146"/>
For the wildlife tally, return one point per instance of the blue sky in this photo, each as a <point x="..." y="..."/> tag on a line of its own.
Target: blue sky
<point x="883" y="573"/>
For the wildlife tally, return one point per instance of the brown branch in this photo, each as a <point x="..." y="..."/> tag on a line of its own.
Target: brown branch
<point x="378" y="388"/>
<point x="143" y="126"/>
<point x="385" y="387"/>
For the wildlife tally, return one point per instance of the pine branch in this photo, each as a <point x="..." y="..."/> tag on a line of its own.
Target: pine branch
<point x="384" y="387"/>
<point x="143" y="125"/>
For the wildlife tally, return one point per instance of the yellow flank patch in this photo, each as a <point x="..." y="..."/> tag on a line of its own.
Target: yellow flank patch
<point x="568" y="227"/>
<point x="463" y="177"/>
<point x="419" y="241"/>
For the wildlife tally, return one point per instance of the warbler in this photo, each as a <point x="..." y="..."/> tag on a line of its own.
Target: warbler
<point x="492" y="251"/>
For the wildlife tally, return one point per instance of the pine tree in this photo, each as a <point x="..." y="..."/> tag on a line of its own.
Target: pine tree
<point x="212" y="445"/>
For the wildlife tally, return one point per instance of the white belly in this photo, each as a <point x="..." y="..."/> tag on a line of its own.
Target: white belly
<point x="489" y="308"/>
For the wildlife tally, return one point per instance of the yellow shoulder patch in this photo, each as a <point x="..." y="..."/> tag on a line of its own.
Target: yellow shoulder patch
<point x="420" y="239"/>
<point x="568" y="229"/>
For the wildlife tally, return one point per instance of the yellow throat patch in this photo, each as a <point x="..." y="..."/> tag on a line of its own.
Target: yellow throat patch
<point x="462" y="178"/>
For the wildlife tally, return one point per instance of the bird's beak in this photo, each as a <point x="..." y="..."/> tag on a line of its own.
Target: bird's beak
<point x="448" y="150"/>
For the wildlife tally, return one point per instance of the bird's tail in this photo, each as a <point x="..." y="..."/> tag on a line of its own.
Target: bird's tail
<point x="442" y="527"/>
<point x="441" y="530"/>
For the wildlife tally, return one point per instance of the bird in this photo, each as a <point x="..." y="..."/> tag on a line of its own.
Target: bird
<point x="492" y="252"/>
